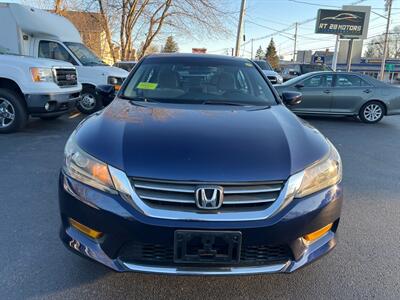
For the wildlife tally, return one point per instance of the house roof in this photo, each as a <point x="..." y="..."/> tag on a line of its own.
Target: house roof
<point x="85" y="21"/>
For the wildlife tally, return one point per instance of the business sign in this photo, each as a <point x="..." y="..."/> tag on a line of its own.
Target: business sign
<point x="319" y="60"/>
<point x="341" y="22"/>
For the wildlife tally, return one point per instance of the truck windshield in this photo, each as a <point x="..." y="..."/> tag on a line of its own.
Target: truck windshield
<point x="85" y="56"/>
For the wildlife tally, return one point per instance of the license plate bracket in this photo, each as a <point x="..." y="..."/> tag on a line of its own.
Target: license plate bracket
<point x="200" y="247"/>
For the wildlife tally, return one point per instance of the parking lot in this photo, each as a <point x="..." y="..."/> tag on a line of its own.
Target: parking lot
<point x="365" y="264"/>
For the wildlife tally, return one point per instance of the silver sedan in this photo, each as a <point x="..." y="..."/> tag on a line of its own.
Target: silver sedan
<point x="343" y="93"/>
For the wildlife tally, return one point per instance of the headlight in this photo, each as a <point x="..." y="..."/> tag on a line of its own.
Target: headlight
<point x="279" y="78"/>
<point x="115" y="81"/>
<point x="323" y="174"/>
<point x="42" y="75"/>
<point x="85" y="168"/>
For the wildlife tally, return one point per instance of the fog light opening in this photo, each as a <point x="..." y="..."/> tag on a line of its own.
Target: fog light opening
<point x="84" y="229"/>
<point x="50" y="106"/>
<point x="318" y="233"/>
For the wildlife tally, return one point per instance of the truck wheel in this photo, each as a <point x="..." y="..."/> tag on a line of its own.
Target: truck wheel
<point x="13" y="114"/>
<point x="89" y="102"/>
<point x="372" y="112"/>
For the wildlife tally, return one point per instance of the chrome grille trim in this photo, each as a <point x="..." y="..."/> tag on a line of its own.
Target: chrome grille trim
<point x="125" y="188"/>
<point x="65" y="76"/>
<point x="169" y="192"/>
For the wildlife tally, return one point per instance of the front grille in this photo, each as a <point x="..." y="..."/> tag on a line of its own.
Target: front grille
<point x="181" y="195"/>
<point x="156" y="254"/>
<point x="272" y="79"/>
<point x="66" y="77"/>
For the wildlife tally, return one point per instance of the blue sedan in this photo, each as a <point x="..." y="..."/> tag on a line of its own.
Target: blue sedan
<point x="197" y="167"/>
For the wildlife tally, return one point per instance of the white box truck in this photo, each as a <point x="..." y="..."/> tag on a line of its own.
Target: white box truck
<point x="41" y="34"/>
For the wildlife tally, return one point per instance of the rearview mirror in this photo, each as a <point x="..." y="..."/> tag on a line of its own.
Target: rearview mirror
<point x="291" y="98"/>
<point x="106" y="92"/>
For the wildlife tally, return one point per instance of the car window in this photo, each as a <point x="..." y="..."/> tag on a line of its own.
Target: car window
<point x="53" y="50"/>
<point x="195" y="82"/>
<point x="319" y="81"/>
<point x="313" y="68"/>
<point x="343" y="80"/>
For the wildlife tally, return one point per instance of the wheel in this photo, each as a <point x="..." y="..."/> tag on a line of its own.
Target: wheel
<point x="372" y="112"/>
<point x="13" y="113"/>
<point x="89" y="102"/>
<point x="49" y="118"/>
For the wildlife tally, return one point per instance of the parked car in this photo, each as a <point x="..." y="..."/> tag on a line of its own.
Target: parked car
<point x="127" y="65"/>
<point x="273" y="76"/>
<point x="343" y="93"/>
<point x="34" y="87"/>
<point x="206" y="176"/>
<point x="34" y="32"/>
<point x="293" y="70"/>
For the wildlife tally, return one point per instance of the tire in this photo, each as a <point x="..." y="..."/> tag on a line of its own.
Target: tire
<point x="49" y="118"/>
<point x="89" y="102"/>
<point x="13" y="112"/>
<point x="372" y="112"/>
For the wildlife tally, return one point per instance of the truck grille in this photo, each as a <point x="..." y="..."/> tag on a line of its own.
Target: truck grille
<point x="272" y="79"/>
<point x="181" y="195"/>
<point x="149" y="253"/>
<point x="66" y="77"/>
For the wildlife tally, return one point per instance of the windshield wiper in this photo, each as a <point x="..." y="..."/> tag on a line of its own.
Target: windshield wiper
<point x="218" y="102"/>
<point x="139" y="99"/>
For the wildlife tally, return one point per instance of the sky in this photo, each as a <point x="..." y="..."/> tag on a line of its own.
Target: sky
<point x="265" y="17"/>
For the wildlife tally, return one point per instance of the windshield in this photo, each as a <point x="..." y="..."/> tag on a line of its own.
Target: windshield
<point x="263" y="65"/>
<point x="199" y="81"/>
<point x="84" y="55"/>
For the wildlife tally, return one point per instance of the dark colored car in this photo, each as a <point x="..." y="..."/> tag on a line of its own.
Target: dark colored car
<point x="126" y="65"/>
<point x="293" y="70"/>
<point x="344" y="93"/>
<point x="197" y="167"/>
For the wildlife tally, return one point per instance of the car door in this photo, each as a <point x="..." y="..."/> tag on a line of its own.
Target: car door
<point x="350" y="91"/>
<point x="317" y="94"/>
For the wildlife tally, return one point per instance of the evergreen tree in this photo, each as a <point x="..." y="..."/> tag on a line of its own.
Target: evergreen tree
<point x="260" y="54"/>
<point x="170" y="45"/>
<point x="272" y="56"/>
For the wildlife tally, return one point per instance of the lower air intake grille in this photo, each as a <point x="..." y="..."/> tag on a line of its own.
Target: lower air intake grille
<point x="164" y="254"/>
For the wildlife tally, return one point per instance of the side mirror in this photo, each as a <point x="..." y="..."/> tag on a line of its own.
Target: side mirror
<point x="299" y="86"/>
<point x="293" y="73"/>
<point x="106" y="92"/>
<point x="291" y="98"/>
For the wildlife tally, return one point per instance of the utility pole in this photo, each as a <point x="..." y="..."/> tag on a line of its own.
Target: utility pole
<point x="388" y="6"/>
<point x="295" y="41"/>
<point x="240" y="26"/>
<point x="335" y="54"/>
<point x="252" y="48"/>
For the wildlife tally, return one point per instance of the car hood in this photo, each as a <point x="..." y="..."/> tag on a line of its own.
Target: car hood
<point x="111" y="71"/>
<point x="201" y="142"/>
<point x="270" y="73"/>
<point x="30" y="61"/>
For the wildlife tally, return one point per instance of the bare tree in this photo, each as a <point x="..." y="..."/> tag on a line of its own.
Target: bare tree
<point x="140" y="23"/>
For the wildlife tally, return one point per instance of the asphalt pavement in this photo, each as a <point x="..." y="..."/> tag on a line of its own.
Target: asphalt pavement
<point x="365" y="264"/>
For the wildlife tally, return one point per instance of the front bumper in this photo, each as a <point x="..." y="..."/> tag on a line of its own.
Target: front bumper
<point x="58" y="103"/>
<point x="122" y="224"/>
